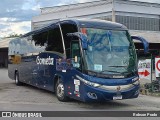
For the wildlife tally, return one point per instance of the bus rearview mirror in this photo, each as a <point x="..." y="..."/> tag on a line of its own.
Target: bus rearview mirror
<point x="144" y="42"/>
<point x="82" y="37"/>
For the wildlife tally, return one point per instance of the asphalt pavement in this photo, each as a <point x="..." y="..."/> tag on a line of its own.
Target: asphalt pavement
<point x="28" y="98"/>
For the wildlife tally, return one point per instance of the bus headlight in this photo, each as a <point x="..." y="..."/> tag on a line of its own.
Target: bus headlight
<point x="136" y="82"/>
<point x="88" y="82"/>
<point x="135" y="79"/>
<point x="94" y="84"/>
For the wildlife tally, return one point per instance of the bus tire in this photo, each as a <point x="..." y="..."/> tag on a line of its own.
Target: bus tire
<point x="17" y="82"/>
<point x="60" y="91"/>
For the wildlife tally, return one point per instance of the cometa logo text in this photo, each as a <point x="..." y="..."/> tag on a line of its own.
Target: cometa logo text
<point x="45" y="61"/>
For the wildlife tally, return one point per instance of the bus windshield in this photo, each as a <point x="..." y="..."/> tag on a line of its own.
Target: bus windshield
<point x="109" y="51"/>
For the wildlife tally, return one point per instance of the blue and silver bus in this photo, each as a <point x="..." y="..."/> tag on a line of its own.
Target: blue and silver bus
<point x="86" y="60"/>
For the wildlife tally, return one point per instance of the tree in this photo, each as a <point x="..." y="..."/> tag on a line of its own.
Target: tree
<point x="14" y="35"/>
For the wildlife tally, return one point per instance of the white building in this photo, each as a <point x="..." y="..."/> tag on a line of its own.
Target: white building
<point x="142" y="18"/>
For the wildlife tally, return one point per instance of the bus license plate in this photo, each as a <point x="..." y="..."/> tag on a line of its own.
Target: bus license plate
<point x="119" y="97"/>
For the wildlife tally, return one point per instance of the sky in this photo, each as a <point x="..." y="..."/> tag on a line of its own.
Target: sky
<point x="16" y="15"/>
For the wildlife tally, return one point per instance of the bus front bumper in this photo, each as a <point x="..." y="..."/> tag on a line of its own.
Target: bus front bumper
<point x="105" y="93"/>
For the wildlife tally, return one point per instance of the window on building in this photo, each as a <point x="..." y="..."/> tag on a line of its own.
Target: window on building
<point x="139" y="23"/>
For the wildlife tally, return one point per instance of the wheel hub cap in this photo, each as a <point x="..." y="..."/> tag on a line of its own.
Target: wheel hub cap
<point x="60" y="90"/>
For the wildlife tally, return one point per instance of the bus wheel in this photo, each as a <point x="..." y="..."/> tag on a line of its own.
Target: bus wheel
<point x="17" y="79"/>
<point x="60" y="91"/>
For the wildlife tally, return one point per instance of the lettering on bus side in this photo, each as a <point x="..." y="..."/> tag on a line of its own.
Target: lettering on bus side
<point x="45" y="61"/>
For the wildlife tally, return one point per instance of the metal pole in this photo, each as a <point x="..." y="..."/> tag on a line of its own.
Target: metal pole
<point x="113" y="12"/>
<point x="151" y="67"/>
<point x="62" y="41"/>
<point x="151" y="73"/>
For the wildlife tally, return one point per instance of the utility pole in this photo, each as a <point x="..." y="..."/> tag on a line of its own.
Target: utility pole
<point x="113" y="12"/>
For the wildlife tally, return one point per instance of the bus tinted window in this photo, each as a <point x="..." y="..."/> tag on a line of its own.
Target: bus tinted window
<point x="49" y="40"/>
<point x="54" y="41"/>
<point x="40" y="41"/>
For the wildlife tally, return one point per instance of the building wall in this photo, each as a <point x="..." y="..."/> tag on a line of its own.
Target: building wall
<point x="4" y="51"/>
<point x="3" y="57"/>
<point x="135" y="15"/>
<point x="85" y="10"/>
<point x="137" y="7"/>
<point x="139" y="17"/>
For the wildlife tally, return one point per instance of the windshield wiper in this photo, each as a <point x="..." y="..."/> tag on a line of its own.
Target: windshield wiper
<point x="117" y="66"/>
<point x="92" y="72"/>
<point x="109" y="71"/>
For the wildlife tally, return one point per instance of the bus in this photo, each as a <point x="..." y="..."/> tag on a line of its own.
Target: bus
<point x="82" y="59"/>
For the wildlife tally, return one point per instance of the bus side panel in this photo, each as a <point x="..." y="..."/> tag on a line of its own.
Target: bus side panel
<point x="11" y="71"/>
<point x="14" y="57"/>
<point x="44" y="70"/>
<point x="13" y="65"/>
<point x="73" y="87"/>
<point x="25" y="69"/>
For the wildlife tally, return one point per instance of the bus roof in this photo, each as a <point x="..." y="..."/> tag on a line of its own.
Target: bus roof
<point x="90" y="23"/>
<point x="104" y="24"/>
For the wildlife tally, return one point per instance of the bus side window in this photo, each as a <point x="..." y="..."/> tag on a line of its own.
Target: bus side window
<point x="75" y="54"/>
<point x="55" y="40"/>
<point x="39" y="41"/>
